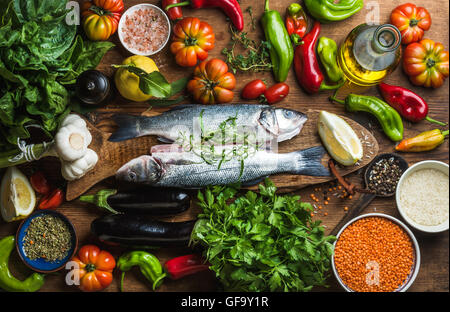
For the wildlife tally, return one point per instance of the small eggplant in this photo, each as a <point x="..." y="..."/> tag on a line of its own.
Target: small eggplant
<point x="151" y="201"/>
<point x="141" y="231"/>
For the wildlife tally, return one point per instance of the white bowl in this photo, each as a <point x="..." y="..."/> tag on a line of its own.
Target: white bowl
<point x="416" y="263"/>
<point x="131" y="10"/>
<point x="426" y="164"/>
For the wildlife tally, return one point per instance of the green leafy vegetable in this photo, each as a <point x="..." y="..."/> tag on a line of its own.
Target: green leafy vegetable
<point x="262" y="242"/>
<point x="39" y="54"/>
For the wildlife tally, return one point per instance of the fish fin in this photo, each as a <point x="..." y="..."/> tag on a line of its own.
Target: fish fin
<point x="310" y="162"/>
<point x="128" y="127"/>
<point x="164" y="140"/>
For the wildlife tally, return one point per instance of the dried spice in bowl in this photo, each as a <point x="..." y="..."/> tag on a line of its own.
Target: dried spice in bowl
<point x="384" y="176"/>
<point x="47" y="237"/>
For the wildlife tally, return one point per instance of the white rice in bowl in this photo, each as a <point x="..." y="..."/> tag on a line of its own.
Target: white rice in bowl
<point x="424" y="197"/>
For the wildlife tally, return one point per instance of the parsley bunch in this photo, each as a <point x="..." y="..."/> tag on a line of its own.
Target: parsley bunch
<point x="262" y="242"/>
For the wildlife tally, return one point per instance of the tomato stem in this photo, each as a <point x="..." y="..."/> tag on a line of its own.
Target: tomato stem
<point x="90" y="267"/>
<point x="189" y="41"/>
<point x="100" y="11"/>
<point x="430" y="62"/>
<point x="413" y="22"/>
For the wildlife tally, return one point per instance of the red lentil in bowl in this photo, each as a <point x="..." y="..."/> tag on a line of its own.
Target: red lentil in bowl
<point x="144" y="29"/>
<point x="376" y="253"/>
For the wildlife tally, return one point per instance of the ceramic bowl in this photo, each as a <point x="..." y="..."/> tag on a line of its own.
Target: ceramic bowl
<point x="416" y="263"/>
<point x="41" y="265"/>
<point x="131" y="10"/>
<point x="427" y="164"/>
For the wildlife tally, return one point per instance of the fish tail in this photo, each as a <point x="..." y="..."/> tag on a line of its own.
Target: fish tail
<point x="310" y="162"/>
<point x="129" y="126"/>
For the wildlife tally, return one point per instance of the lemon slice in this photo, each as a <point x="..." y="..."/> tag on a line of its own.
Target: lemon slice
<point x="339" y="139"/>
<point x="17" y="197"/>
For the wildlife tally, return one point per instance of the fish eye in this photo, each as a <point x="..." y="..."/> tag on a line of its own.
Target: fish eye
<point x="288" y="114"/>
<point x="132" y="175"/>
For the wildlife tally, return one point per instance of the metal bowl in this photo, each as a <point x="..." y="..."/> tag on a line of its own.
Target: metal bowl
<point x="41" y="265"/>
<point x="416" y="261"/>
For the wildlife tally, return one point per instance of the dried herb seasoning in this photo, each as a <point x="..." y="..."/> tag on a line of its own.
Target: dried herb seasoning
<point x="47" y="237"/>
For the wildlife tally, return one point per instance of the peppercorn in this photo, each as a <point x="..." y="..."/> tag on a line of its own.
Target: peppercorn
<point x="384" y="176"/>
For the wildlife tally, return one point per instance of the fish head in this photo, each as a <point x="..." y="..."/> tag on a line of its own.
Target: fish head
<point x="282" y="123"/>
<point x="144" y="169"/>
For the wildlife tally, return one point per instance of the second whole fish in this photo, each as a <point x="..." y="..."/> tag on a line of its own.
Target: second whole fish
<point x="180" y="169"/>
<point x="264" y="122"/>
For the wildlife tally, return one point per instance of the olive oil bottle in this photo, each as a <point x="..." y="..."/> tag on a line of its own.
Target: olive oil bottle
<point x="369" y="54"/>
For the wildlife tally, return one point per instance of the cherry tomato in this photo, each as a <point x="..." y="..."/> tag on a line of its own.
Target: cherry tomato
<point x="276" y="93"/>
<point x="253" y="89"/>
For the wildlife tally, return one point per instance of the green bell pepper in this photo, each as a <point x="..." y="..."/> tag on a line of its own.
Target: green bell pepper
<point x="281" y="49"/>
<point x="327" y="51"/>
<point x="389" y="119"/>
<point x="149" y="265"/>
<point x="7" y="281"/>
<point x="327" y="11"/>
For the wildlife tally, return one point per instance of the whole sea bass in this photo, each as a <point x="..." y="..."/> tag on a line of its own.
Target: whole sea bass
<point x="177" y="168"/>
<point x="263" y="122"/>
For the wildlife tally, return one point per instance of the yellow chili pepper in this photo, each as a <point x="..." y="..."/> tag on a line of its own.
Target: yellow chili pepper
<point x="426" y="141"/>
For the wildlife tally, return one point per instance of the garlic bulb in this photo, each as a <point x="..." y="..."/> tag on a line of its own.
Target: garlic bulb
<point x="74" y="170"/>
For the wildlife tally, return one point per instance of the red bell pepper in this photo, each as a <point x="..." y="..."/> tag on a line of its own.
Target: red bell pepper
<point x="306" y="66"/>
<point x="185" y="265"/>
<point x="52" y="200"/>
<point x="231" y="8"/>
<point x="296" y="22"/>
<point x="40" y="183"/>
<point x="407" y="103"/>
<point x="174" y="13"/>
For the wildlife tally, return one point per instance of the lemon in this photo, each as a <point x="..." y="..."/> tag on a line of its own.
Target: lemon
<point x="339" y="139"/>
<point x="128" y="83"/>
<point x="17" y="197"/>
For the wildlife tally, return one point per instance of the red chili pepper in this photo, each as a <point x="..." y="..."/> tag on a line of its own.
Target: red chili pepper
<point x="185" y="265"/>
<point x="174" y="13"/>
<point x="52" y="200"/>
<point x="231" y="8"/>
<point x="306" y="65"/>
<point x="40" y="183"/>
<point x="407" y="103"/>
<point x="296" y="22"/>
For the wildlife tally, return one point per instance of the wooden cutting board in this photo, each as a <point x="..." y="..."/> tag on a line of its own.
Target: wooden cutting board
<point x="112" y="155"/>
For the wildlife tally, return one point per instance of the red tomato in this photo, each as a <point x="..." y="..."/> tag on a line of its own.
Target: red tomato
<point x="95" y="268"/>
<point x="253" y="89"/>
<point x="276" y="93"/>
<point x="412" y="21"/>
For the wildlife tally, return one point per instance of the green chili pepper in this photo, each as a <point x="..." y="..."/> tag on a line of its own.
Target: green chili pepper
<point x="327" y="11"/>
<point x="7" y="281"/>
<point x="327" y="51"/>
<point x="149" y="265"/>
<point x="281" y="49"/>
<point x="390" y="120"/>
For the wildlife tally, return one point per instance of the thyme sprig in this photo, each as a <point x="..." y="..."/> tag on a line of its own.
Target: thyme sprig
<point x="255" y="56"/>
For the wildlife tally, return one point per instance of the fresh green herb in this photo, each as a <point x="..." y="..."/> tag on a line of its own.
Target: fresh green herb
<point x="262" y="242"/>
<point x="255" y="56"/>
<point x="233" y="144"/>
<point x="249" y="10"/>
<point x="39" y="54"/>
<point x="47" y="237"/>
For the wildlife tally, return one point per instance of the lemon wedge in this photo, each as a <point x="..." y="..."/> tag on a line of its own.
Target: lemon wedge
<point x="17" y="197"/>
<point x="339" y="139"/>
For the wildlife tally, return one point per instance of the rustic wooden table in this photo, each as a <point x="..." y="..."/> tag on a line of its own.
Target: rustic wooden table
<point x="434" y="270"/>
